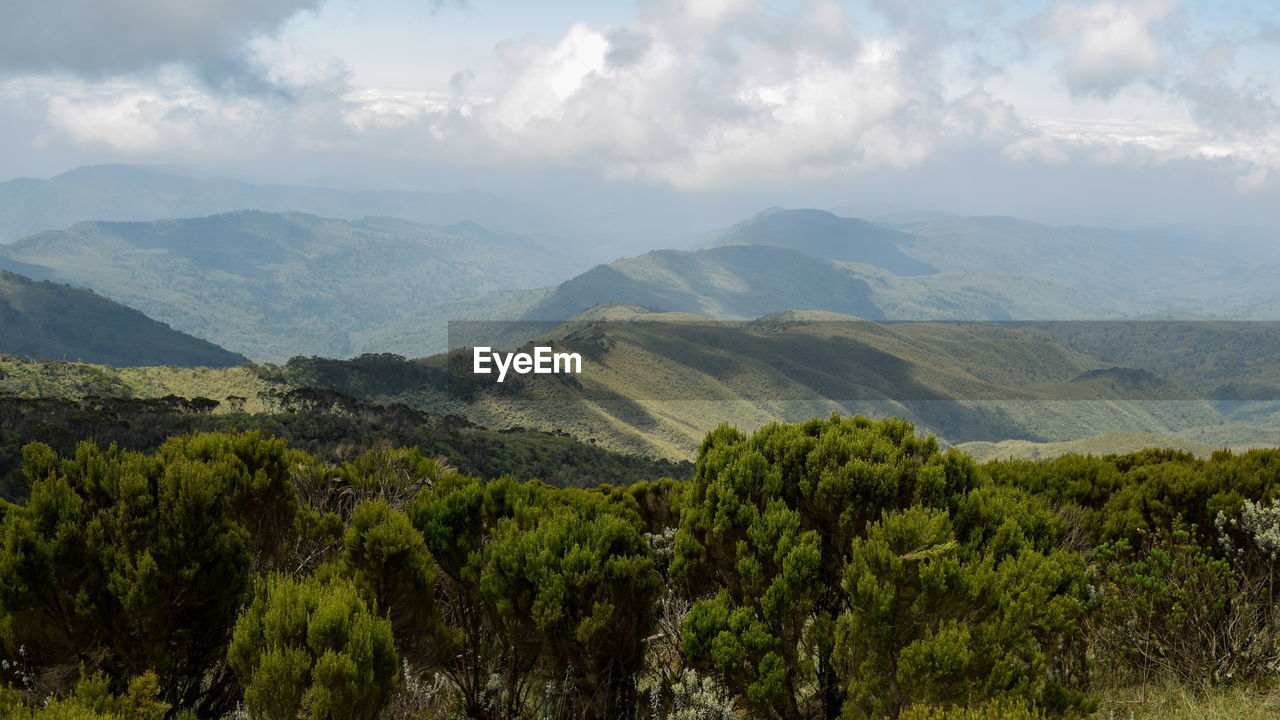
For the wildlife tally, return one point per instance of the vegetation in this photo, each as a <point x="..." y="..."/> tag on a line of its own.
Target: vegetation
<point x="324" y="423"/>
<point x="213" y="276"/>
<point x="63" y="322"/>
<point x="839" y="568"/>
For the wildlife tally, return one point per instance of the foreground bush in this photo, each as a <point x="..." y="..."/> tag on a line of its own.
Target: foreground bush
<point x="313" y="651"/>
<point x="855" y="568"/>
<point x="138" y="562"/>
<point x="93" y="700"/>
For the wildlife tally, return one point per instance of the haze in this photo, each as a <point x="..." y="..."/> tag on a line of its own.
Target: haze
<point x="673" y="117"/>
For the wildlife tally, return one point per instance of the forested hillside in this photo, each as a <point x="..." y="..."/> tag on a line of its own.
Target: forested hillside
<point x="274" y="285"/>
<point x="62" y="322"/>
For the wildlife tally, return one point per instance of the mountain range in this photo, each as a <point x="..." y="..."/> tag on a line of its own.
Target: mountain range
<point x="137" y="193"/>
<point x="274" y="285"/>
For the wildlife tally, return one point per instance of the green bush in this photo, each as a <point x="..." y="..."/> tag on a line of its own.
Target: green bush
<point x="842" y="529"/>
<point x="93" y="700"/>
<point x="1169" y="608"/>
<point x="313" y="650"/>
<point x="137" y="562"/>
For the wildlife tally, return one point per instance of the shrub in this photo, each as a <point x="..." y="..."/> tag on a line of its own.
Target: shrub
<point x="843" y="529"/>
<point x="139" y="562"/>
<point x="313" y="651"/>
<point x="1170" y="608"/>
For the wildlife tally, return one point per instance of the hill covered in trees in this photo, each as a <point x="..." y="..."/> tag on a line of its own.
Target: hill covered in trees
<point x="274" y="285"/>
<point x="62" y="322"/>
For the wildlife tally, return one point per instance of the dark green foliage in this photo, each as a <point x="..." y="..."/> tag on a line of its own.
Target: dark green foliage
<point x="933" y="620"/>
<point x="322" y="423"/>
<point x="1122" y="496"/>
<point x="834" y="568"/>
<point x="313" y="651"/>
<point x="1169" y="608"/>
<point x="543" y="585"/>
<point x="843" y="529"/>
<point x="63" y="322"/>
<point x="92" y="700"/>
<point x="386" y="558"/>
<point x="132" y="562"/>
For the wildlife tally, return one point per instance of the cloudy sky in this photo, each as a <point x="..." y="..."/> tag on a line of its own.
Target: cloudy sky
<point x="1123" y="111"/>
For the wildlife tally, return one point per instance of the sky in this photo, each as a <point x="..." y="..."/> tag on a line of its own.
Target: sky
<point x="1093" y="111"/>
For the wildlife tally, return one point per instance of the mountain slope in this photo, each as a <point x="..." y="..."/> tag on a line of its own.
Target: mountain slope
<point x="818" y="233"/>
<point x="58" y="321"/>
<point x="743" y="281"/>
<point x="656" y="383"/>
<point x="273" y="285"/>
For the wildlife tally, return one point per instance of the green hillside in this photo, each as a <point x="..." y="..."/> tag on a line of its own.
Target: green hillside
<point x="276" y="285"/>
<point x="58" y="321"/>
<point x="745" y="281"/>
<point x="819" y="233"/>
<point x="657" y="383"/>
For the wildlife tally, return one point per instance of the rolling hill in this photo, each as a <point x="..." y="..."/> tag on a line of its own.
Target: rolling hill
<point x="274" y="285"/>
<point x="57" y="321"/>
<point x="745" y="281"/>
<point x="655" y="383"/>
<point x="821" y="234"/>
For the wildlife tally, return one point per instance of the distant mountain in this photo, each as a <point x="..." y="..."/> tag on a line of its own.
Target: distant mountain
<point x="274" y="285"/>
<point x="821" y="234"/>
<point x="1159" y="270"/>
<point x="40" y="318"/>
<point x="743" y="281"/>
<point x="130" y="193"/>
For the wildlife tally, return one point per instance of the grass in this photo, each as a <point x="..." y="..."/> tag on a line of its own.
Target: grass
<point x="1178" y="702"/>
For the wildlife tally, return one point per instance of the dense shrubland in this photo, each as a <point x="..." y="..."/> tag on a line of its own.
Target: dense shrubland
<point x="838" y="568"/>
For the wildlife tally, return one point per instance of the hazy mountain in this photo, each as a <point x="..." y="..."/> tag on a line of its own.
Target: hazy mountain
<point x="40" y="318"/>
<point x="130" y="193"/>
<point x="1161" y="270"/>
<point x="273" y="285"/>
<point x="742" y="281"/>
<point x="821" y="234"/>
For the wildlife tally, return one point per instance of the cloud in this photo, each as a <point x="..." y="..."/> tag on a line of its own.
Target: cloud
<point x="103" y="38"/>
<point x="714" y="95"/>
<point x="1107" y="44"/>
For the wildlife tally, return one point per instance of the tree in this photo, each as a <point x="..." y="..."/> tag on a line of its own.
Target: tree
<point x="848" y="566"/>
<point x="386" y="558"/>
<point x="125" y="562"/>
<point x="312" y="650"/>
<point x="768" y="528"/>
<point x="935" y="620"/>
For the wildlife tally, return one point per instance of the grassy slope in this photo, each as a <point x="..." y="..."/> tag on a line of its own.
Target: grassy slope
<point x="59" y="321"/>
<point x="658" y="387"/>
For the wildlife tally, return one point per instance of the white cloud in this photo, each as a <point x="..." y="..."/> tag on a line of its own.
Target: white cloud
<point x="1107" y="44"/>
<point x="716" y="95"/>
